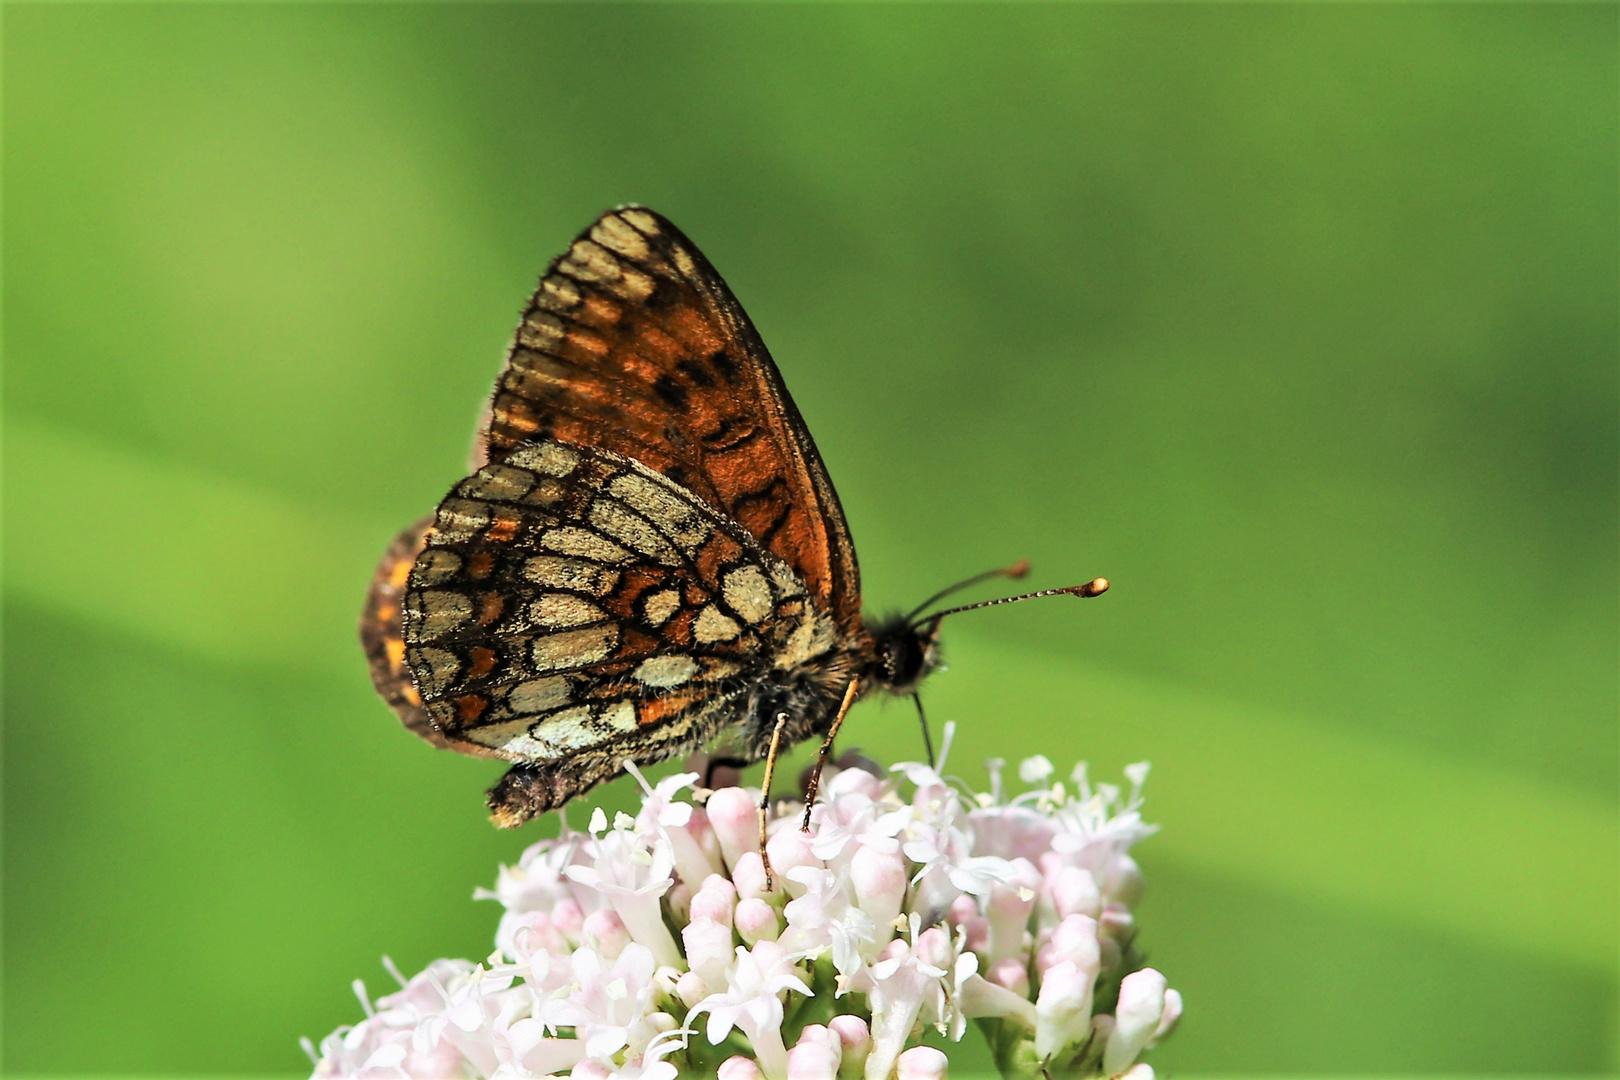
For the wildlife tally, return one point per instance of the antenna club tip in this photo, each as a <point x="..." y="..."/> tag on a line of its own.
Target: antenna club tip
<point x="1094" y="587"/>
<point x="1018" y="570"/>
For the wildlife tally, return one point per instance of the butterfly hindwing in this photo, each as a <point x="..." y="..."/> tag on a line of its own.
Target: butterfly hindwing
<point x="570" y="603"/>
<point x="634" y="344"/>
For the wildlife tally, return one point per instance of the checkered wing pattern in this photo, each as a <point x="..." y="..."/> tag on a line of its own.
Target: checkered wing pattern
<point x="634" y="344"/>
<point x="572" y="605"/>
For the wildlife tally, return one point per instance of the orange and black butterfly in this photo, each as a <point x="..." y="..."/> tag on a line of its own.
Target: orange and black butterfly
<point x="650" y="558"/>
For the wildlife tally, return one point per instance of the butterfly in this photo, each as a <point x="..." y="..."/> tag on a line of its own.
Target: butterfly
<point x="649" y="556"/>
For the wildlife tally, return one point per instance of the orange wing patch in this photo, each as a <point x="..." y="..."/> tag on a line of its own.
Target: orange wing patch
<point x="634" y="344"/>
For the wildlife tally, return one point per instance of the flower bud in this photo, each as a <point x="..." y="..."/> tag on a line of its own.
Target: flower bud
<point x="962" y="908"/>
<point x="590" y="1069"/>
<point x="1063" y="1008"/>
<point x="708" y="949"/>
<point x="921" y="1063"/>
<point x="715" y="900"/>
<point x="934" y="948"/>
<point x="734" y="816"/>
<point x="1074" y="939"/>
<point x="1011" y="972"/>
<point x="691" y="988"/>
<point x="856" y="1040"/>
<point x="607" y="932"/>
<point x="756" y="920"/>
<point x="1136" y="1018"/>
<point x="1167" y="1022"/>
<point x="817" y="1055"/>
<point x="1074" y="892"/>
<point x="1124" y="883"/>
<point x="749" y="877"/>
<point x="880" y="883"/>
<point x="788" y="849"/>
<point x="1009" y="911"/>
<point x="738" y="1067"/>
<point x="568" y="917"/>
<point x="977" y="930"/>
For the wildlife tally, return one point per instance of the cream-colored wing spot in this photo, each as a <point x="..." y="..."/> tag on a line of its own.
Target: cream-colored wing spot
<point x="583" y="543"/>
<point x="459" y="520"/>
<point x="674" y="516"/>
<point x="642" y="220"/>
<point x="573" y="648"/>
<point x="618" y="717"/>
<point x="510" y="737"/>
<point x="435" y="566"/>
<point x="814" y="636"/>
<point x="658" y="607"/>
<point x="622" y="525"/>
<point x="748" y="593"/>
<point x="548" y="458"/>
<point x="561" y="572"/>
<point x="539" y="695"/>
<point x="439" y="612"/>
<point x="787" y="583"/>
<point x="565" y="730"/>
<point x="541" y="330"/>
<point x="435" y="668"/>
<point x="558" y="611"/>
<point x="666" y="671"/>
<point x="497" y="482"/>
<point x="711" y="626"/>
<point x="620" y="236"/>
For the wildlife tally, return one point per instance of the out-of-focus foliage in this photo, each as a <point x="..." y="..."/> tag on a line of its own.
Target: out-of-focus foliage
<point x="1297" y="322"/>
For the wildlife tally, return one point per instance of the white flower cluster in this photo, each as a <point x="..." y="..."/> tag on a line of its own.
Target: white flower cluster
<point x="656" y="946"/>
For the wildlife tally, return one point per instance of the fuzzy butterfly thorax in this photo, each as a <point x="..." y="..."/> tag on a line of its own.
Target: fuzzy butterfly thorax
<point x="649" y="558"/>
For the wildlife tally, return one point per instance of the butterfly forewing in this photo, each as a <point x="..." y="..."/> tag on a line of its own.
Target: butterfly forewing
<point x="634" y="344"/>
<point x="571" y="601"/>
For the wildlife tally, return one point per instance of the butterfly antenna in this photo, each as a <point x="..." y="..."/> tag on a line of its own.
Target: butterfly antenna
<point x="1014" y="572"/>
<point x="1094" y="587"/>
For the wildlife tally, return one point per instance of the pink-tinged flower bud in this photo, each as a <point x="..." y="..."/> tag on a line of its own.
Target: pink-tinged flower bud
<point x="962" y="908"/>
<point x="934" y="948"/>
<point x="921" y="1063"/>
<point x="1074" y="892"/>
<point x="1136" y="1018"/>
<point x="1063" y="1008"/>
<point x="1074" y="939"/>
<point x="749" y="876"/>
<point x="879" y="879"/>
<point x="789" y="849"/>
<point x="607" y="932"/>
<point x="854" y="782"/>
<point x="708" y="949"/>
<point x="1011" y="972"/>
<point x="738" y="1067"/>
<point x="1167" y="1022"/>
<point x="756" y="920"/>
<point x="1009" y="910"/>
<point x="590" y="1069"/>
<point x="1117" y="922"/>
<point x="856" y="1039"/>
<point x="691" y="988"/>
<point x="1125" y="882"/>
<point x="567" y="916"/>
<point x="817" y="1055"/>
<point x="715" y="900"/>
<point x="703" y="832"/>
<point x="978" y="934"/>
<point x="679" y="899"/>
<point x="734" y="816"/>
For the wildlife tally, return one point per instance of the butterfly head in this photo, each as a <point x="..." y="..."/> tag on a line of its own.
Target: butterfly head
<point x="905" y="652"/>
<point x="906" y="647"/>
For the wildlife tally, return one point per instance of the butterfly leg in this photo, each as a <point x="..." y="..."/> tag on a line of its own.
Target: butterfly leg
<point x="922" y="718"/>
<point x="826" y="749"/>
<point x="765" y="796"/>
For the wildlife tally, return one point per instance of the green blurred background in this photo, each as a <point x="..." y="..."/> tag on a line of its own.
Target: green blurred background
<point x="1297" y="322"/>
